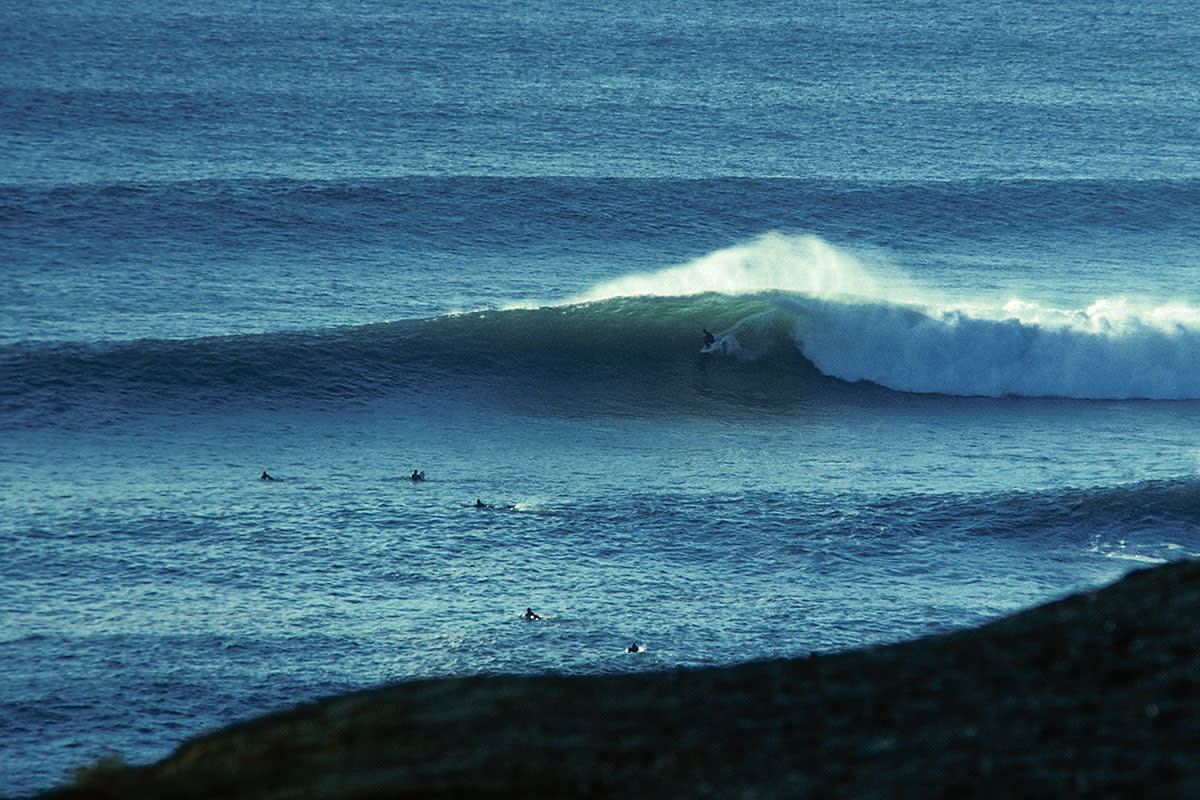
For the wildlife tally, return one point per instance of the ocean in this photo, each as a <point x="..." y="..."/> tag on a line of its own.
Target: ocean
<point x="946" y="253"/>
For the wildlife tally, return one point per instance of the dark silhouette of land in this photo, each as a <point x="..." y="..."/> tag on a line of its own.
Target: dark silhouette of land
<point x="1097" y="695"/>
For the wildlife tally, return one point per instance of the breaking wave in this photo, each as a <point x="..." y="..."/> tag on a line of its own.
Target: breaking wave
<point x="790" y="316"/>
<point x="855" y="328"/>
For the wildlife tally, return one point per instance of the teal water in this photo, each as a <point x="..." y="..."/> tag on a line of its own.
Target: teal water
<point x="946" y="252"/>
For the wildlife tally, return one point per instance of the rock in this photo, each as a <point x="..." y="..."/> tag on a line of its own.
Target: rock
<point x="1096" y="695"/>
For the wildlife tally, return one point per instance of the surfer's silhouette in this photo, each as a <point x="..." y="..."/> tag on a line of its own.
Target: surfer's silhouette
<point x="529" y="614"/>
<point x="708" y="338"/>
<point x="506" y="507"/>
<point x="266" y="477"/>
<point x="417" y="476"/>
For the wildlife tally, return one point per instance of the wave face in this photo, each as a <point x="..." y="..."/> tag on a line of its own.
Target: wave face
<point x="792" y="315"/>
<point x="604" y="355"/>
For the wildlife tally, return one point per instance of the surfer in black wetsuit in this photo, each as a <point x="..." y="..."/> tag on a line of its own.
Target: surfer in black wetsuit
<point x="633" y="648"/>
<point x="418" y="476"/>
<point x="530" y="615"/>
<point x="709" y="339"/>
<point x="266" y="477"/>
<point x="505" y="507"/>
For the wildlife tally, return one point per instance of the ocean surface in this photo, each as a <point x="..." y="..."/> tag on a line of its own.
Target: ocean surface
<point x="947" y="252"/>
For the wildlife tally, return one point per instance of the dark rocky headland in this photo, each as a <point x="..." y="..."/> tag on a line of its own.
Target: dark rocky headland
<point x="1097" y="695"/>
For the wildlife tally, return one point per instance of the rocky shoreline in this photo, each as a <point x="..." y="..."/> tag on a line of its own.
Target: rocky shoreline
<point x="1097" y="695"/>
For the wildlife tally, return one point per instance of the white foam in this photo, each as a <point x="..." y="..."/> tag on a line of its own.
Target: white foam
<point x="1109" y="350"/>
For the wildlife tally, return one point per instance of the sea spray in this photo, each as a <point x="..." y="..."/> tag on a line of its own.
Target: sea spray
<point x="773" y="262"/>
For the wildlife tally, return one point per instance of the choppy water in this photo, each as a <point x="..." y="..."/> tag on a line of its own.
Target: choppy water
<point x="947" y="253"/>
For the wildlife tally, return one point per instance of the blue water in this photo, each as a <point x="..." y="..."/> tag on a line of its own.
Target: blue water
<point x="947" y="252"/>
